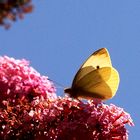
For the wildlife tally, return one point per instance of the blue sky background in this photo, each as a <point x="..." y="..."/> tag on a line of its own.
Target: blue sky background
<point x="59" y="35"/>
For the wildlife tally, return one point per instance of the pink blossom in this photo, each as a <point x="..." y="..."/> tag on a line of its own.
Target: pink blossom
<point x="18" y="81"/>
<point x="30" y="109"/>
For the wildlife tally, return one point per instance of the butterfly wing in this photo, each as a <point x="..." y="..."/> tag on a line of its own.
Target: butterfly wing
<point x="98" y="59"/>
<point x="100" y="83"/>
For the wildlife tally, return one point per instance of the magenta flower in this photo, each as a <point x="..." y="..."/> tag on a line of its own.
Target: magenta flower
<point x="13" y="9"/>
<point x="30" y="109"/>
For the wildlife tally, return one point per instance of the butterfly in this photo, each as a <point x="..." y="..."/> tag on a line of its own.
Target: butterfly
<point x="96" y="78"/>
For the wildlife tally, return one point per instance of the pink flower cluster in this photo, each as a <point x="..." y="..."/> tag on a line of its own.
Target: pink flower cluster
<point x="30" y="109"/>
<point x="13" y="9"/>
<point x="19" y="81"/>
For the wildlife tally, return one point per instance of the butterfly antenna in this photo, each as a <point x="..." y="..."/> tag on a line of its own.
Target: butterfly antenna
<point x="58" y="85"/>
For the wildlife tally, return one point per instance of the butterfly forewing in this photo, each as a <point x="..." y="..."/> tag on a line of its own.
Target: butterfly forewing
<point x="99" y="59"/>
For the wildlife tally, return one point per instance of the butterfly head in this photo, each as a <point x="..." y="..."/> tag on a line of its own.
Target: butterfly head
<point x="70" y="92"/>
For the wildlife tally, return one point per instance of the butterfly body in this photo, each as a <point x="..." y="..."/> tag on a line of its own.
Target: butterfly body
<point x="96" y="78"/>
<point x="78" y="93"/>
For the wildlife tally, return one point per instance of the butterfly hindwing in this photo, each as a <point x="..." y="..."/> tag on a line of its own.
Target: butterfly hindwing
<point x="100" y="83"/>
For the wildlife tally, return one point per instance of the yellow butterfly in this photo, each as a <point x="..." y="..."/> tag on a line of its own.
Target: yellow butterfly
<point x="96" y="78"/>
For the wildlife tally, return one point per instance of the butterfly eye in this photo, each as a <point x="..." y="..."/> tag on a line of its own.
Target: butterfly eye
<point x="97" y="67"/>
